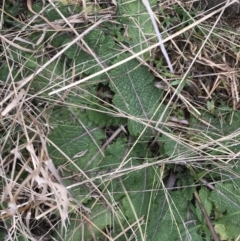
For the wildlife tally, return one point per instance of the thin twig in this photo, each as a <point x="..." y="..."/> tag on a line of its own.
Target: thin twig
<point x="209" y="223"/>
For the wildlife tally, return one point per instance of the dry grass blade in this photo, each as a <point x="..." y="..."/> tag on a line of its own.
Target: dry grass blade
<point x="126" y="141"/>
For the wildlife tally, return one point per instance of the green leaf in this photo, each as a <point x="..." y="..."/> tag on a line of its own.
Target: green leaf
<point x="232" y="230"/>
<point x="52" y="14"/>
<point x="49" y="76"/>
<point x="3" y="232"/>
<point x="175" y="82"/>
<point x="101" y="44"/>
<point x="139" y="26"/>
<point x="100" y="218"/>
<point x="221" y="230"/>
<point x="226" y="200"/>
<point x="211" y="105"/>
<point x="166" y="220"/>
<point x="204" y="195"/>
<point x="185" y="179"/>
<point x="103" y="119"/>
<point x="74" y="139"/>
<point x="172" y="147"/>
<point x="136" y="95"/>
<point x="163" y="219"/>
<point x="103" y="48"/>
<point x="5" y="74"/>
<point x="73" y="51"/>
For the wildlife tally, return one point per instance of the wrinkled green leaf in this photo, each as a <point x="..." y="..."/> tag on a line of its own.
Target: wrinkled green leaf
<point x="204" y="195"/>
<point x="74" y="139"/>
<point x="139" y="25"/>
<point x="226" y="200"/>
<point x="136" y="95"/>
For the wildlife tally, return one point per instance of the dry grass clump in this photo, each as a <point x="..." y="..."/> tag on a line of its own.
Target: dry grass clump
<point x="34" y="198"/>
<point x="206" y="55"/>
<point x="30" y="192"/>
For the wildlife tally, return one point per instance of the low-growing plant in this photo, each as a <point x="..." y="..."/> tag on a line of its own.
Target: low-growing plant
<point x="99" y="141"/>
